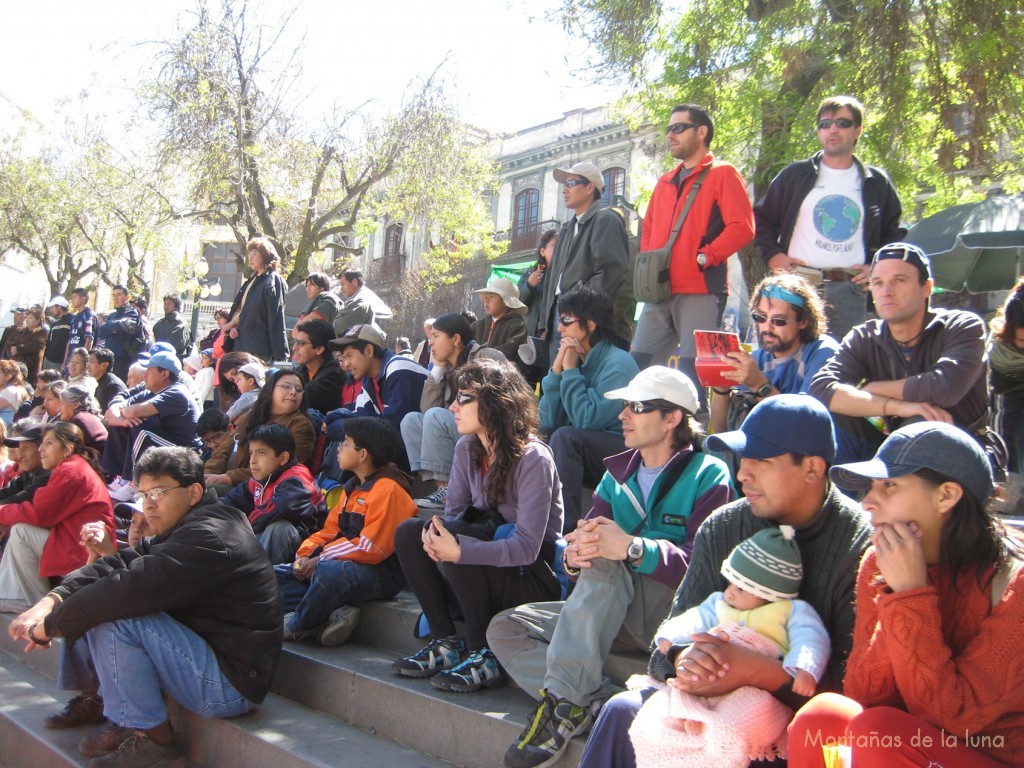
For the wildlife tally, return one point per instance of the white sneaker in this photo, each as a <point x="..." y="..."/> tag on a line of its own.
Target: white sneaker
<point x="126" y="492"/>
<point x="435" y="500"/>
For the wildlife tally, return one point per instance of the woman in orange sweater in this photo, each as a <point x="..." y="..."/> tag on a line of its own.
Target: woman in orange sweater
<point x="935" y="676"/>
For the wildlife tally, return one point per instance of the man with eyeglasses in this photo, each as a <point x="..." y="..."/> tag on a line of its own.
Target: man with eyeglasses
<point x="592" y="250"/>
<point x="718" y="223"/>
<point x="320" y="372"/>
<point x="791" y="324"/>
<point x="192" y="612"/>
<point x="628" y="556"/>
<point x="830" y="213"/>
<point x="914" y="363"/>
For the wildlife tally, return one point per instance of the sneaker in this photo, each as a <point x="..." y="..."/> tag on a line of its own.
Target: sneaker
<point x="125" y="492"/>
<point x="295" y="634"/>
<point x="478" y="670"/>
<point x="553" y="723"/>
<point x="103" y="742"/>
<point x="435" y="500"/>
<point x="431" y="658"/>
<point x="340" y="625"/>
<point x="140" y="751"/>
<point x="81" y="710"/>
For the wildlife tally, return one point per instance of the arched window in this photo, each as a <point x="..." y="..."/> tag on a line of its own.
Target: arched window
<point x="526" y="211"/>
<point x="614" y="184"/>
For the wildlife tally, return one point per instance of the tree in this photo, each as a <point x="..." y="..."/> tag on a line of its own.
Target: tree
<point x="943" y="98"/>
<point x="223" y="93"/>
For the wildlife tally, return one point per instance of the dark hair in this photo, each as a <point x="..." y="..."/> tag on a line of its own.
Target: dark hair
<point x="320" y="280"/>
<point x="1010" y="316"/>
<point x="507" y="410"/>
<point x="222" y="313"/>
<point x="175" y="299"/>
<point x="71" y="436"/>
<point x="260" y="414"/>
<point x="351" y="274"/>
<point x="813" y="310"/>
<point x="588" y="304"/>
<point x="276" y="437"/>
<point x="265" y="248"/>
<point x="122" y="288"/>
<point x="48" y="375"/>
<point x="232" y="361"/>
<point x="56" y="387"/>
<point x="833" y="104"/>
<point x="546" y="237"/>
<point x="402" y="344"/>
<point x="320" y="332"/>
<point x="80" y="352"/>
<point x="698" y="116"/>
<point x="182" y="465"/>
<point x="80" y="292"/>
<point x="469" y="316"/>
<point x="140" y="303"/>
<point x="376" y="436"/>
<point x="212" y="420"/>
<point x="103" y="356"/>
<point x="34" y="313"/>
<point x="452" y="323"/>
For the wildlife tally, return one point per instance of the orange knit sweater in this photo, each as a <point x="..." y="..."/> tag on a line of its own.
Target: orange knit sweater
<point x="945" y="656"/>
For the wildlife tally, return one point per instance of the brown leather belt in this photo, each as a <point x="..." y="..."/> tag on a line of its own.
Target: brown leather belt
<point x="835" y="275"/>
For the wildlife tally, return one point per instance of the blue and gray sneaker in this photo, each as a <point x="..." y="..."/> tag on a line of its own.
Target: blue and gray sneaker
<point x="431" y="658"/>
<point x="553" y="723"/>
<point x="480" y="669"/>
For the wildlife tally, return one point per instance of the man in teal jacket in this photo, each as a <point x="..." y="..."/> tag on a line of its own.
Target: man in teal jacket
<point x="629" y="555"/>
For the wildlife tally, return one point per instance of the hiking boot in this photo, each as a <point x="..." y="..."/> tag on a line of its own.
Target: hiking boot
<point x="553" y="723"/>
<point x="295" y="634"/>
<point x="140" y="751"/>
<point x="81" y="710"/>
<point x="431" y="658"/>
<point x="436" y="500"/>
<point x="340" y="626"/>
<point x="103" y="742"/>
<point x="478" y="670"/>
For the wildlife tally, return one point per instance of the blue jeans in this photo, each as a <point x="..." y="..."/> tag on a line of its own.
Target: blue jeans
<point x="430" y="439"/>
<point x="336" y="583"/>
<point x="279" y="540"/>
<point x="138" y="659"/>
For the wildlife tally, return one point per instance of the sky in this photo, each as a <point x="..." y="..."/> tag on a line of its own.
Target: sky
<point x="509" y="70"/>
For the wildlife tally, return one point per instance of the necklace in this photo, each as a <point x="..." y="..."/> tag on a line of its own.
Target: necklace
<point x="909" y="342"/>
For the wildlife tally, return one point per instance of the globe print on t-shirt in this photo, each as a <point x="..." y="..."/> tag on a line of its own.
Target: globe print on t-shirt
<point x="836" y="217"/>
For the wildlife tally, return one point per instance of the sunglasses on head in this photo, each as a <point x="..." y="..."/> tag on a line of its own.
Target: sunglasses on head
<point x="640" y="406"/>
<point x="465" y="398"/>
<point x="778" y="322"/>
<point x="827" y="122"/>
<point x="570" y="183"/>
<point x="678" y="128"/>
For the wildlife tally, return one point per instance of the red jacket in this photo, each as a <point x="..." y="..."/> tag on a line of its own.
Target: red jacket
<point x="75" y="495"/>
<point x="720" y="222"/>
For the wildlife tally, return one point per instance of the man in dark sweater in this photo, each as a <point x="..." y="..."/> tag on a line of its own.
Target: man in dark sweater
<point x="786" y="445"/>
<point x="192" y="612"/>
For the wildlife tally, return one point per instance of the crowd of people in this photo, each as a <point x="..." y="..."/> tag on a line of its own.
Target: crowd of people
<point x="821" y="568"/>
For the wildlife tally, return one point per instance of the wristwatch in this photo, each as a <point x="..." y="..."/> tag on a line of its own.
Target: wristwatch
<point x="764" y="390"/>
<point x="702" y="261"/>
<point x="635" y="553"/>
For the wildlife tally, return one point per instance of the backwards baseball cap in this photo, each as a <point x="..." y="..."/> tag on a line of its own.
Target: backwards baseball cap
<point x="31" y="434"/>
<point x="767" y="565"/>
<point x="588" y="171"/>
<point x="19" y="310"/>
<point x="659" y="383"/>
<point x="907" y="252"/>
<point x="58" y="301"/>
<point x="368" y="333"/>
<point x="932" y="445"/>
<point x="166" y="360"/>
<point x="796" y="424"/>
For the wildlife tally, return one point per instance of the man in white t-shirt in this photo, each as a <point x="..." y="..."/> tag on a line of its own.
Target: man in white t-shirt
<point x="827" y="215"/>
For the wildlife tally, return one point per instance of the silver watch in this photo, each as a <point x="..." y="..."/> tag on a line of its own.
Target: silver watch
<point x="635" y="553"/>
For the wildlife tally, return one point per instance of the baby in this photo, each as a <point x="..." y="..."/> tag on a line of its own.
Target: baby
<point x="759" y="610"/>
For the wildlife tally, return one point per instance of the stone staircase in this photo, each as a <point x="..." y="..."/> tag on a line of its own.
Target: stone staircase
<point x="328" y="707"/>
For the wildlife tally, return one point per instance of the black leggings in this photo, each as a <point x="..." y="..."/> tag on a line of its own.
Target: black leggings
<point x="478" y="592"/>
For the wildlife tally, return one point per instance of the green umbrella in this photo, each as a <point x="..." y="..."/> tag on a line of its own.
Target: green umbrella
<point x="977" y="246"/>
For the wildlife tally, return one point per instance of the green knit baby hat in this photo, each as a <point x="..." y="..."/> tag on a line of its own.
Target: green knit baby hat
<point x="767" y="564"/>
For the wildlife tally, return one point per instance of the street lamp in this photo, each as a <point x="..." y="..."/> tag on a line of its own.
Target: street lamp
<point x="202" y="287"/>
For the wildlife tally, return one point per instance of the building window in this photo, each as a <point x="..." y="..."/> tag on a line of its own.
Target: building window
<point x="393" y="241"/>
<point x="526" y="210"/>
<point x="614" y="184"/>
<point x="226" y="265"/>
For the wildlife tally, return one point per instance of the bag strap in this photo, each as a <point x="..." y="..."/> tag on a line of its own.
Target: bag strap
<point x="686" y="207"/>
<point x="670" y="479"/>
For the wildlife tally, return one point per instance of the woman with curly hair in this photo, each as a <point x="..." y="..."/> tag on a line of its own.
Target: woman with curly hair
<point x="257" y="315"/>
<point x="12" y="390"/>
<point x="28" y="342"/>
<point x="502" y="475"/>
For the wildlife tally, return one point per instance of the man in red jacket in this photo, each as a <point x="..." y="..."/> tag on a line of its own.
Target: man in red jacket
<point x="719" y="223"/>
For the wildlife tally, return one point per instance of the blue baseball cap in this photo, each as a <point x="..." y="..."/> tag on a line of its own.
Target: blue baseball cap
<point x="907" y="252"/>
<point x="782" y="424"/>
<point x="162" y="346"/>
<point x="166" y="360"/>
<point x="932" y="445"/>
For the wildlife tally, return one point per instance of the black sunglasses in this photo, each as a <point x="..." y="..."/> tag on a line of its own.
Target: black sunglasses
<point x="843" y="122"/>
<point x="567" y="321"/>
<point x="570" y="183"/>
<point x="778" y="322"/>
<point x="678" y="128"/>
<point x="465" y="398"/>
<point x="639" y="406"/>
